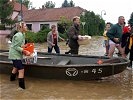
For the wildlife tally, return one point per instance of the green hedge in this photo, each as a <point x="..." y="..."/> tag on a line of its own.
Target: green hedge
<point x="64" y="35"/>
<point x="41" y="36"/>
<point x="38" y="37"/>
<point x="30" y="36"/>
<point x="2" y="27"/>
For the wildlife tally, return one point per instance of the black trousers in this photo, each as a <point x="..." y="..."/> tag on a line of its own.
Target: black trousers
<point x="56" y="48"/>
<point x="131" y="54"/>
<point x="74" y="50"/>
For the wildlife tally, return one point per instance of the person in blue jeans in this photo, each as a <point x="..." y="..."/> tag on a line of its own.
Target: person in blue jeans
<point x="52" y="40"/>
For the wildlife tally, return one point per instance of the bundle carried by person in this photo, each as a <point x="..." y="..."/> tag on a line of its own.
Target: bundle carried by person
<point x="32" y="58"/>
<point x="85" y="39"/>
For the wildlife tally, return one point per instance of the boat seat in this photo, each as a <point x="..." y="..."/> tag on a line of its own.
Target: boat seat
<point x="64" y="62"/>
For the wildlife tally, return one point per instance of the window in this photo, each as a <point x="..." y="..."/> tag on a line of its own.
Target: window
<point x="44" y="26"/>
<point x="29" y="26"/>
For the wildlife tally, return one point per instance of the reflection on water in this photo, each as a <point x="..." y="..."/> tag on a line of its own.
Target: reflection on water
<point x="118" y="87"/>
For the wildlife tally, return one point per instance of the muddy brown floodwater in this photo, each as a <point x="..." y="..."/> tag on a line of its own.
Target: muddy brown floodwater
<point x="117" y="87"/>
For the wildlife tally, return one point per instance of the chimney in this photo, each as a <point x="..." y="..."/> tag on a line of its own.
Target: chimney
<point x="42" y="6"/>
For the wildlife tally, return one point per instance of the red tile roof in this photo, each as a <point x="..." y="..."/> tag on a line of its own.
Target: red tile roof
<point x="51" y="14"/>
<point x="17" y="7"/>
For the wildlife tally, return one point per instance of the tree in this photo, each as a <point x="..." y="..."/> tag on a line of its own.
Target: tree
<point x="64" y="24"/>
<point x="65" y="4"/>
<point x="94" y="25"/>
<point x="68" y="4"/>
<point x="49" y="4"/>
<point x="131" y="19"/>
<point x="71" y="4"/>
<point x="6" y="9"/>
<point x="27" y="3"/>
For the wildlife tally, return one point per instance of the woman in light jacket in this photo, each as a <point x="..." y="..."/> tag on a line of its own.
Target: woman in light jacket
<point x="52" y="40"/>
<point x="16" y="52"/>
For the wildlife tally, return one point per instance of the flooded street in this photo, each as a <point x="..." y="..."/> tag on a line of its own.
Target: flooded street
<point x="117" y="87"/>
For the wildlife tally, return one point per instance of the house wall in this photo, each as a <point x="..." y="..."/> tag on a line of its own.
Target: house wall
<point x="36" y="25"/>
<point x="3" y="39"/>
<point x="14" y="15"/>
<point x="4" y="33"/>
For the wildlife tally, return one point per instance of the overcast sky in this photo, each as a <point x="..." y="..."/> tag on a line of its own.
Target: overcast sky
<point x="113" y="8"/>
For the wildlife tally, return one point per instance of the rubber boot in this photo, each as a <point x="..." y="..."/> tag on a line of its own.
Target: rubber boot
<point x="13" y="77"/>
<point x="21" y="83"/>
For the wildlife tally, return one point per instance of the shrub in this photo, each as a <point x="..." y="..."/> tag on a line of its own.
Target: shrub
<point x="42" y="35"/>
<point x="64" y="35"/>
<point x="30" y="36"/>
<point x="2" y="27"/>
<point x="38" y="37"/>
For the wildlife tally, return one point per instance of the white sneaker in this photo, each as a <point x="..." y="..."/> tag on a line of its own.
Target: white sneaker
<point x="129" y="68"/>
<point x="20" y="89"/>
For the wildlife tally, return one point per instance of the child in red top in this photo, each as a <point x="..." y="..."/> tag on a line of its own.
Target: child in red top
<point x="125" y="35"/>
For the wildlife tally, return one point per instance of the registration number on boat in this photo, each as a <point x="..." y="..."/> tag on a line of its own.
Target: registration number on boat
<point x="75" y="72"/>
<point x="99" y="70"/>
<point x="95" y="71"/>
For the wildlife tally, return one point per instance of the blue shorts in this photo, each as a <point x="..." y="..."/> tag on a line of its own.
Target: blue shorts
<point x="18" y="64"/>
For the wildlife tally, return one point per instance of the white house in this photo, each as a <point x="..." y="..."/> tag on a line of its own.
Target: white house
<point x="36" y="18"/>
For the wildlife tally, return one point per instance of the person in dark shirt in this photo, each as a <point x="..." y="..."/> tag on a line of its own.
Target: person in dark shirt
<point x="129" y="46"/>
<point x="73" y="35"/>
<point x="115" y="36"/>
<point x="125" y="35"/>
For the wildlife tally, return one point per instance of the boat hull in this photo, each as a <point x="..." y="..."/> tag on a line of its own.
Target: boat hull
<point x="69" y="72"/>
